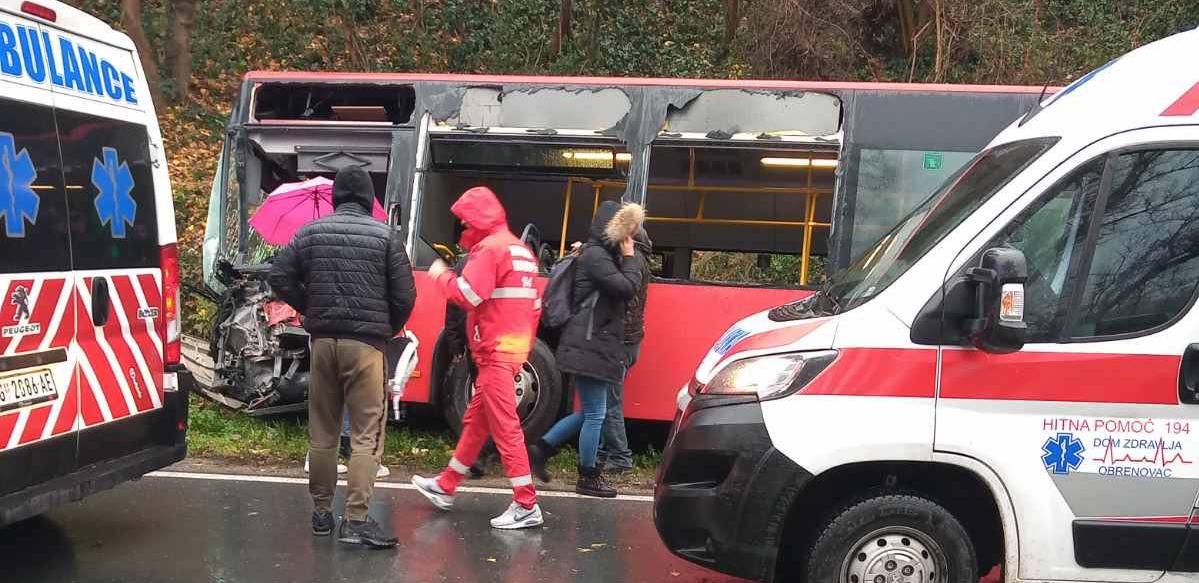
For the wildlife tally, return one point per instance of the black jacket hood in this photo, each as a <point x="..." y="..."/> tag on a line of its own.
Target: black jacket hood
<point x="603" y="216"/>
<point x="353" y="185"/>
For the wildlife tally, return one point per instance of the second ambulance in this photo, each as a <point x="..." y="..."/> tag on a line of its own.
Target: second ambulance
<point x="1008" y="379"/>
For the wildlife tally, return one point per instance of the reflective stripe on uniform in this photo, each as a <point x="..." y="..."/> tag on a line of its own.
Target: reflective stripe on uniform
<point x="525" y="266"/>
<point x="526" y="293"/>
<point x="469" y="292"/>
<point x="521" y="481"/>
<point x="458" y="466"/>
<point x="520" y="251"/>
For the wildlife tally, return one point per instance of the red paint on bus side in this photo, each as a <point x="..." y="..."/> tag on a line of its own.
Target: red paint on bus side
<point x="682" y="322"/>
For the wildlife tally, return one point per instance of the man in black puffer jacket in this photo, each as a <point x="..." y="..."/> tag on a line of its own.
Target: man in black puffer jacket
<point x="349" y="275"/>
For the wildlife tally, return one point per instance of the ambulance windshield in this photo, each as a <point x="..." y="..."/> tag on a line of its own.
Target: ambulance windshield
<point x="931" y="221"/>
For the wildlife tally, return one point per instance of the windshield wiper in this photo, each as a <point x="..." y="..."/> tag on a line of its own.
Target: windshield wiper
<point x="825" y="295"/>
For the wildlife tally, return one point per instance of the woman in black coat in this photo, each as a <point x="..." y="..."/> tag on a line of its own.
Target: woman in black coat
<point x="607" y="275"/>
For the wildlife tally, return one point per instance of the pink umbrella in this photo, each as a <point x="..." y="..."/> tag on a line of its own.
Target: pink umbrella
<point x="295" y="204"/>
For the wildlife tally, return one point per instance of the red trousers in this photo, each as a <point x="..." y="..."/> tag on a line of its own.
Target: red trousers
<point x="492" y="410"/>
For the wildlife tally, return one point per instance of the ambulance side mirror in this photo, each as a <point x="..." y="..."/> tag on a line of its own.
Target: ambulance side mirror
<point x="997" y="325"/>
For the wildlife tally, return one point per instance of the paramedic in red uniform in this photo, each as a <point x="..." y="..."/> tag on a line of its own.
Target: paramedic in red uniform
<point x="497" y="290"/>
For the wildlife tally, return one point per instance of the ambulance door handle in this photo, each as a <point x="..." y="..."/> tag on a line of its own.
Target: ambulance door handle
<point x="100" y="304"/>
<point x="1188" y="376"/>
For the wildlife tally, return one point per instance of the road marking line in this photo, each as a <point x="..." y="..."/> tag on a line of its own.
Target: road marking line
<point x="384" y="485"/>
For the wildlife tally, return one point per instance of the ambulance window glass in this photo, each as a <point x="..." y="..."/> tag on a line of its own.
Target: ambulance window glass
<point x="1146" y="262"/>
<point x="110" y="190"/>
<point x="33" y="211"/>
<point x="1050" y="234"/>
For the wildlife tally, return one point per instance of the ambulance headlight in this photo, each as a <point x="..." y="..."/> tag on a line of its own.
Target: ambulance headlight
<point x="772" y="376"/>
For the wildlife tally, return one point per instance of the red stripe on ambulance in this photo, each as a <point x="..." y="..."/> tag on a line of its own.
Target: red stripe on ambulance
<point x="7" y="424"/>
<point x="879" y="372"/>
<point x="143" y="331"/>
<point x="35" y="424"/>
<point x="70" y="408"/>
<point x="114" y="333"/>
<point x="1060" y="376"/>
<point x="97" y="362"/>
<point x="89" y="408"/>
<point x="1186" y="105"/>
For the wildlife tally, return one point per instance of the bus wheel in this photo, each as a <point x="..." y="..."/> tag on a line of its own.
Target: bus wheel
<point x="538" y="392"/>
<point x="893" y="539"/>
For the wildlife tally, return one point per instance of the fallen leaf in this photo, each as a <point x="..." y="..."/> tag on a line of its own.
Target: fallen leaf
<point x="490" y="559"/>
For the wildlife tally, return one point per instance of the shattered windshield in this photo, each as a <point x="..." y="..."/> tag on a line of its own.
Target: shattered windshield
<point x="931" y="221"/>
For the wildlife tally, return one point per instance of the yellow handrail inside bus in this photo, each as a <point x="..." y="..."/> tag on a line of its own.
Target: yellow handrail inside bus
<point x="809" y="224"/>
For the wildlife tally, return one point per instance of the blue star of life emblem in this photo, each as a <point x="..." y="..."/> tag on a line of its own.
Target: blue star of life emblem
<point x="114" y="182"/>
<point x="18" y="201"/>
<point x="1062" y="453"/>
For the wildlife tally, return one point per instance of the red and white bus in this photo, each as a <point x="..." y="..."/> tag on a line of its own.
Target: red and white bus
<point x="90" y="391"/>
<point x="753" y="190"/>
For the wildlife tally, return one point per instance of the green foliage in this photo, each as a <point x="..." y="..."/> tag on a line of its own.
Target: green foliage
<point x="217" y="432"/>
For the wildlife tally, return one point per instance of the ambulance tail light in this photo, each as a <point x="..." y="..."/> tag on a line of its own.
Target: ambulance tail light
<point x="42" y="12"/>
<point x="168" y="321"/>
<point x="770" y="377"/>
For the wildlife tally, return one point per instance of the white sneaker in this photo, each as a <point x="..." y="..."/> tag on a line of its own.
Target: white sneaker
<point x="383" y="472"/>
<point x="517" y="516"/>
<point x="341" y="468"/>
<point x="430" y="489"/>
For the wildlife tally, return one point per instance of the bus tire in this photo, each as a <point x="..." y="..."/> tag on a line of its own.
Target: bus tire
<point x="539" y="392"/>
<point x="898" y="537"/>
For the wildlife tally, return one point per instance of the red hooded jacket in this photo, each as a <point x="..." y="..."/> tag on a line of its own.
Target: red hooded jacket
<point x="498" y="286"/>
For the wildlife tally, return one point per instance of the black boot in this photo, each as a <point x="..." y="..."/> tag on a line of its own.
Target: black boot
<point x="540" y="454"/>
<point x="592" y="483"/>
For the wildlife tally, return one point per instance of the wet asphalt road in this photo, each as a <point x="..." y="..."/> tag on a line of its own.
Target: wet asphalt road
<point x="168" y="529"/>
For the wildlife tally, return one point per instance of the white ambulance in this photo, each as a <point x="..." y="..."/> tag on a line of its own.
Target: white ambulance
<point x="89" y="273"/>
<point x="1009" y="378"/>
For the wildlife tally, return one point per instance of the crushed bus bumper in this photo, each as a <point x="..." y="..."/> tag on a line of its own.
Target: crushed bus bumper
<point x="723" y="490"/>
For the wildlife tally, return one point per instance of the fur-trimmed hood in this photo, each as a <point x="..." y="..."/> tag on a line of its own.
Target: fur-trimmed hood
<point x="620" y="223"/>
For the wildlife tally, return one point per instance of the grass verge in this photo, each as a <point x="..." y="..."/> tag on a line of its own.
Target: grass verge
<point x="217" y="432"/>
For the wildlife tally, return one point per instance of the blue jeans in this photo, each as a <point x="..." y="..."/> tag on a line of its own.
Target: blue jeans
<point x="345" y="424"/>
<point x="615" y="442"/>
<point x="593" y="395"/>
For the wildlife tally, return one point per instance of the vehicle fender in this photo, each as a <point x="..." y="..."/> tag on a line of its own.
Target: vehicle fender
<point x="1003" y="501"/>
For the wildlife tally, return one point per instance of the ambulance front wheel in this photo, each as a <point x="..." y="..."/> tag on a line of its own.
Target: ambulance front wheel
<point x="893" y="539"/>
<point x="538" y="388"/>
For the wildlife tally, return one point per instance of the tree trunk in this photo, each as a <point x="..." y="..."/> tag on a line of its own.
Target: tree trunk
<point x="131" y="20"/>
<point x="906" y="11"/>
<point x="732" y="17"/>
<point x="563" y="34"/>
<point x="179" y="54"/>
<point x="939" y="60"/>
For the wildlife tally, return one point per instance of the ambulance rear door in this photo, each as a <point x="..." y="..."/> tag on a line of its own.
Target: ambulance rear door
<point x="39" y="395"/>
<point x="103" y="114"/>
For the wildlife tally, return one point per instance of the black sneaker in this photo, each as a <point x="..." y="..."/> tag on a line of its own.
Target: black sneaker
<point x="322" y="523"/>
<point x="365" y="532"/>
<point x="618" y="471"/>
<point x="592" y="483"/>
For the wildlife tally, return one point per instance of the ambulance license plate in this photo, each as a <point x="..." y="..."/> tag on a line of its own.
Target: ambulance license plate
<point x="25" y="389"/>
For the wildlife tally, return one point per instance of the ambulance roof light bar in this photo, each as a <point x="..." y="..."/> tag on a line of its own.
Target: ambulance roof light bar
<point x="42" y="12"/>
